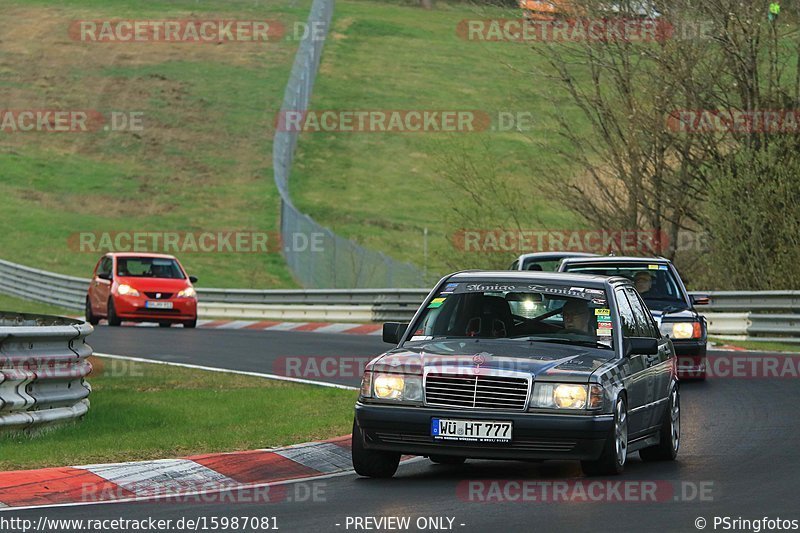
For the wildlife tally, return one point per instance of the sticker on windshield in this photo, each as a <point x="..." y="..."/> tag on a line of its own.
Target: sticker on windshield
<point x="602" y="312"/>
<point x="574" y="292"/>
<point x="603" y="325"/>
<point x="652" y="267"/>
<point x="604" y="332"/>
<point x="421" y="338"/>
<point x="599" y="301"/>
<point x="489" y="287"/>
<point x="449" y="288"/>
<point x="604" y="318"/>
<point x="436" y="302"/>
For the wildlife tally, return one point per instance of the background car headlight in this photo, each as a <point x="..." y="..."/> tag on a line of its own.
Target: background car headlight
<point x="397" y="387"/>
<point x="127" y="290"/>
<point x="187" y="293"/>
<point x="566" y="396"/>
<point x="685" y="330"/>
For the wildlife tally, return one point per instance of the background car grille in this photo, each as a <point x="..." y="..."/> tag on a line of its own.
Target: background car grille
<point x="476" y="392"/>
<point x="161" y="295"/>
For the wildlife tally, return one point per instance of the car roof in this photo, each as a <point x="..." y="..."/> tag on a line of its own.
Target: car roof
<point x="140" y="254"/>
<point x="618" y="259"/>
<point x="532" y="276"/>
<point x="547" y="255"/>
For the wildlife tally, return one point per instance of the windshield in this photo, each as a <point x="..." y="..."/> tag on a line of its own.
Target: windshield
<point x="149" y="267"/>
<point x="655" y="282"/>
<point x="518" y="311"/>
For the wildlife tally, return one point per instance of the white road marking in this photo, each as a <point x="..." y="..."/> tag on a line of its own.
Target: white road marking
<point x="227" y="371"/>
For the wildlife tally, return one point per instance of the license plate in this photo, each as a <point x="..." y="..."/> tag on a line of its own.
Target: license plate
<point x="471" y="430"/>
<point x="158" y="305"/>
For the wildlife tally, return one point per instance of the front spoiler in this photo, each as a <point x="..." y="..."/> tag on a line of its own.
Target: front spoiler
<point x="406" y="430"/>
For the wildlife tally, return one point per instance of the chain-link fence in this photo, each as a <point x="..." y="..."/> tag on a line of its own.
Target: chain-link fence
<point x="316" y="256"/>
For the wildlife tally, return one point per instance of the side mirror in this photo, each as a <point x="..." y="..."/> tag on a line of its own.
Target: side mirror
<point x="699" y="299"/>
<point x="193" y="279"/>
<point x="104" y="275"/>
<point x="392" y="331"/>
<point x="640" y="346"/>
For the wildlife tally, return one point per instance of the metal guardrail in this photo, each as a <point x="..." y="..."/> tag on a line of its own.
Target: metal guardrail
<point x="41" y="286"/>
<point x="748" y="301"/>
<point x="757" y="315"/>
<point x="43" y="366"/>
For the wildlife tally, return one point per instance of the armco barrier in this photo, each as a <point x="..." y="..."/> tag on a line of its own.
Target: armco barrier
<point x="761" y="315"/>
<point x="43" y="366"/>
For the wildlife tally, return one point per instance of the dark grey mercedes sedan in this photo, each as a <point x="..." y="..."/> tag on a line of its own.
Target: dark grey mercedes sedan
<point x="521" y="365"/>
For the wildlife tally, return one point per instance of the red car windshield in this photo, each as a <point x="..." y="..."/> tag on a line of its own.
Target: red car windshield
<point x="149" y="267"/>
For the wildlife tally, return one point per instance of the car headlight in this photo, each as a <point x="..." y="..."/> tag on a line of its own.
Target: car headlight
<point x="127" y="290"/>
<point x="395" y="387"/>
<point x="684" y="330"/>
<point x="187" y="293"/>
<point x="566" y="396"/>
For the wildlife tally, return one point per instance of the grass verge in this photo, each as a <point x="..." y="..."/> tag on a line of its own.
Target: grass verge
<point x="384" y="189"/>
<point x="201" y="162"/>
<point x="760" y="346"/>
<point x="18" y="305"/>
<point x="144" y="411"/>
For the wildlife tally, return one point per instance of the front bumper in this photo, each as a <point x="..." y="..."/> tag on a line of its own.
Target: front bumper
<point x="132" y="308"/>
<point x="691" y="357"/>
<point x="535" y="435"/>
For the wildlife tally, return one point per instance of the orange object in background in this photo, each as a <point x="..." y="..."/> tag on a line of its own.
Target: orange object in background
<point x="544" y="10"/>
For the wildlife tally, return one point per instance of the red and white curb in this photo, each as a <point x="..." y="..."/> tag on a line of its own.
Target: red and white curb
<point x="266" y="325"/>
<point x="176" y="479"/>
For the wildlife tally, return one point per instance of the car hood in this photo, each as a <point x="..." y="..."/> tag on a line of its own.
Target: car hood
<point x="154" y="284"/>
<point x="542" y="360"/>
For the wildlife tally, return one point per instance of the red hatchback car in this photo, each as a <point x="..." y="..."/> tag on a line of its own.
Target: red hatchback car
<point x="141" y="288"/>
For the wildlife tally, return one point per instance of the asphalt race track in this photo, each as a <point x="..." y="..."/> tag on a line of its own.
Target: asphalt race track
<point x="251" y="351"/>
<point x="738" y="458"/>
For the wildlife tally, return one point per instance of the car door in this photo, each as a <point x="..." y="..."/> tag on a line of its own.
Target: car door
<point x="101" y="288"/>
<point x="659" y="366"/>
<point x="638" y="383"/>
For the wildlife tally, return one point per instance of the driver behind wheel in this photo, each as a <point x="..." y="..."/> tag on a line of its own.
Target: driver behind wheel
<point x="576" y="317"/>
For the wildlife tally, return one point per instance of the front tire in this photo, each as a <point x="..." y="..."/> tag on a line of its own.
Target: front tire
<point x="90" y="316"/>
<point x="113" y="319"/>
<point x="615" y="452"/>
<point x="670" y="433"/>
<point x="372" y="463"/>
<point x="164" y="324"/>
<point x="190" y="323"/>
